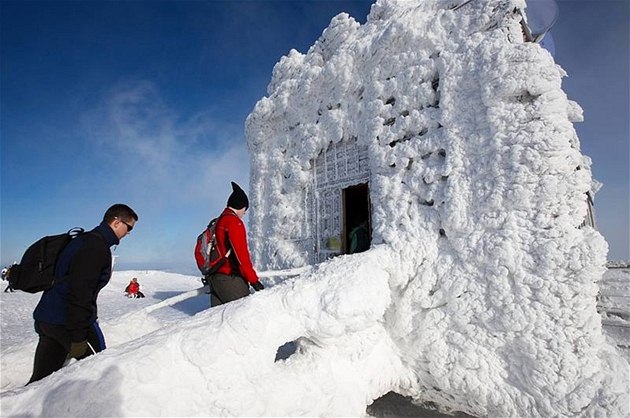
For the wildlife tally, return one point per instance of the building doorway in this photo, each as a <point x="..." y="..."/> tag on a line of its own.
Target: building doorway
<point x="357" y="219"/>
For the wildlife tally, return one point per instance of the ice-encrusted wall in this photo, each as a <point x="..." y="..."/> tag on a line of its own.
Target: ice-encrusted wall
<point x="478" y="188"/>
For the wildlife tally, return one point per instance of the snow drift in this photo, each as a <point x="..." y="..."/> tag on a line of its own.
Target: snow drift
<point x="222" y="361"/>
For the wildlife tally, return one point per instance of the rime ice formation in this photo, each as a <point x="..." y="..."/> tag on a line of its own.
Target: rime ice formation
<point x="477" y="189"/>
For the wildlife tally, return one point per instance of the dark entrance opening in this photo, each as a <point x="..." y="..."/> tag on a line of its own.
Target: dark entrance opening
<point x="357" y="220"/>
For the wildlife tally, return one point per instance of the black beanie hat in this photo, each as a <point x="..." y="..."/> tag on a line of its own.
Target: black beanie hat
<point x="238" y="198"/>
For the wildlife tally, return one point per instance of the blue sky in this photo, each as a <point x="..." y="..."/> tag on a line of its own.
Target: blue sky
<point x="144" y="103"/>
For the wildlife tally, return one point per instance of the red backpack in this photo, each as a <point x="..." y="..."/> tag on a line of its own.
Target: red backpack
<point x="206" y="252"/>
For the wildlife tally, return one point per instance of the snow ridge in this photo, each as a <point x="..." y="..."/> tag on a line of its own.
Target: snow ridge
<point x="222" y="361"/>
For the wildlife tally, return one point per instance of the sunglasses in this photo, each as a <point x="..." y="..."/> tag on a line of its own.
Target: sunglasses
<point x="129" y="227"/>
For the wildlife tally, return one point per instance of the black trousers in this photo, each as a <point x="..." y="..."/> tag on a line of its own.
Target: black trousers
<point x="224" y="288"/>
<point x="54" y="345"/>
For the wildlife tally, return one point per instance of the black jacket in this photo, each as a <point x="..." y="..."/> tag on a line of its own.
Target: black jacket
<point x="83" y="269"/>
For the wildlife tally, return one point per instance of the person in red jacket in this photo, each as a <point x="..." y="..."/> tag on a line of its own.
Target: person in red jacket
<point x="231" y="281"/>
<point x="133" y="289"/>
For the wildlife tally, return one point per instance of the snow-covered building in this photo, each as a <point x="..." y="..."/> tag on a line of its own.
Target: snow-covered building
<point x="342" y="114"/>
<point x="441" y="125"/>
<point x="444" y="126"/>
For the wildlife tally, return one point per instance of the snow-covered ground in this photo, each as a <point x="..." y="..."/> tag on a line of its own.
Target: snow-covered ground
<point x="155" y="354"/>
<point x="188" y="360"/>
<point x="119" y="316"/>
<point x="613" y="303"/>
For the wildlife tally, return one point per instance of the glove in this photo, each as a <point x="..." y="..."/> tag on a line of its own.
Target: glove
<point x="258" y="286"/>
<point x="77" y="350"/>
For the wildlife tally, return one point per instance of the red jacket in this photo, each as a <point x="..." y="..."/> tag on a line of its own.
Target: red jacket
<point x="133" y="288"/>
<point x="231" y="227"/>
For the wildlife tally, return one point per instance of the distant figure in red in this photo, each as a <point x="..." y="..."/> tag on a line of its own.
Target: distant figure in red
<point x="133" y="289"/>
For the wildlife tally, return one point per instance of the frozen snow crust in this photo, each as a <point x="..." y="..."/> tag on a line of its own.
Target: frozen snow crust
<point x="478" y="189"/>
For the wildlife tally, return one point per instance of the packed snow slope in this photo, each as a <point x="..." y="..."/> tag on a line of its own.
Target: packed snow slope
<point x="478" y="193"/>
<point x="122" y="319"/>
<point x="222" y="361"/>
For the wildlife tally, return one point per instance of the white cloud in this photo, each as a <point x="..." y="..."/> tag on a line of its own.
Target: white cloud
<point x="155" y="149"/>
<point x="174" y="170"/>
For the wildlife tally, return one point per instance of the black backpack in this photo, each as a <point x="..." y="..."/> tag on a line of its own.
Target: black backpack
<point x="36" y="271"/>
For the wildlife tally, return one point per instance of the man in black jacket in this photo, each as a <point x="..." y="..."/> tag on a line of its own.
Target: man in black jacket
<point x="65" y="317"/>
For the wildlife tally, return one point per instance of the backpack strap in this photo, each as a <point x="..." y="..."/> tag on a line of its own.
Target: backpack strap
<point x="228" y="245"/>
